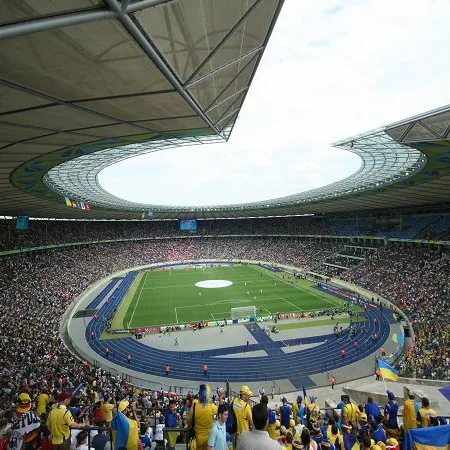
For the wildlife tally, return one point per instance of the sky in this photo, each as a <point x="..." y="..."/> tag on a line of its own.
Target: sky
<point x="332" y="69"/>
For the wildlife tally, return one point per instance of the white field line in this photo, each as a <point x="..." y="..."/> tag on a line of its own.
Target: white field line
<point x="139" y="297"/>
<point x="292" y="304"/>
<point x="301" y="289"/>
<point x="176" y="314"/>
<point x="221" y="302"/>
<point x="221" y="314"/>
<point x="170" y="286"/>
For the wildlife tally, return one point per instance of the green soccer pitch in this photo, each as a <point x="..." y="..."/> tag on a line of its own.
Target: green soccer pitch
<point x="170" y="297"/>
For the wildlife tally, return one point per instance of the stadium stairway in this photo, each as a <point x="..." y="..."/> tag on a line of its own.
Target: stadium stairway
<point x="295" y="366"/>
<point x="271" y="347"/>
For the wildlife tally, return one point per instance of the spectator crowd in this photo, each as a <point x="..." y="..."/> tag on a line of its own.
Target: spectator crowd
<point x="91" y="409"/>
<point x="36" y="287"/>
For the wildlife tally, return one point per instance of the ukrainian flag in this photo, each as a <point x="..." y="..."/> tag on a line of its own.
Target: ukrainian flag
<point x="387" y="372"/>
<point x="436" y="438"/>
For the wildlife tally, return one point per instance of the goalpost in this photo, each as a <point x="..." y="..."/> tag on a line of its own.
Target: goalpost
<point x="243" y="312"/>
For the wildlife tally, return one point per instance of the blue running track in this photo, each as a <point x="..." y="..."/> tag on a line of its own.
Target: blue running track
<point x="277" y="365"/>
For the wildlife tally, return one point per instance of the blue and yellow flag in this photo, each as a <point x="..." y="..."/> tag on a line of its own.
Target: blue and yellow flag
<point x="436" y="438"/>
<point x="125" y="433"/>
<point x="387" y="372"/>
<point x="76" y="390"/>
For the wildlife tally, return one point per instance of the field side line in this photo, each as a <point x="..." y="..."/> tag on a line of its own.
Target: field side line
<point x="295" y="306"/>
<point x="243" y="301"/>
<point x="139" y="297"/>
<point x="301" y="289"/>
<point x="176" y="314"/>
<point x="222" y="302"/>
<point x="171" y="286"/>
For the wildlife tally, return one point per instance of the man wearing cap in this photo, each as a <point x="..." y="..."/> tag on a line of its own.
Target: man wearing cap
<point x="60" y="421"/>
<point x="125" y="431"/>
<point x="390" y="414"/>
<point x="258" y="438"/>
<point x="25" y="424"/>
<point x="242" y="410"/>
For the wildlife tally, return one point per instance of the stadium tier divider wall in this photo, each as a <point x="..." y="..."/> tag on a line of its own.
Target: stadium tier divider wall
<point x="353" y="239"/>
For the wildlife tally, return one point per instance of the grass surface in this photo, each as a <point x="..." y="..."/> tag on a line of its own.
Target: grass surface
<point x="169" y="297"/>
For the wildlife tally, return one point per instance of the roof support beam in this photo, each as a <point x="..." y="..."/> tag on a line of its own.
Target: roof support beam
<point x="219" y="69"/>
<point x="234" y="111"/>
<point x="230" y="83"/>
<point x="142" y="40"/>
<point x="54" y="22"/>
<point x="226" y="99"/>
<point x="73" y="18"/>
<point x="224" y="39"/>
<point x="142" y="4"/>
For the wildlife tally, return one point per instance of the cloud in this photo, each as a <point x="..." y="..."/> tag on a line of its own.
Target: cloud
<point x="330" y="71"/>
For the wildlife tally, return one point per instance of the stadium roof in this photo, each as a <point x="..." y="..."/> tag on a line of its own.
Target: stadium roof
<point x="87" y="83"/>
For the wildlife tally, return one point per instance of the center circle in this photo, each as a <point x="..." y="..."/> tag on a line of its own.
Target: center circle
<point x="213" y="284"/>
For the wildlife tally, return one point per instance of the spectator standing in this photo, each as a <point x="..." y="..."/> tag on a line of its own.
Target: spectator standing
<point x="204" y="411"/>
<point x="107" y="409"/>
<point x="332" y="381"/>
<point x="242" y="410"/>
<point x="390" y="414"/>
<point x="372" y="410"/>
<point x="24" y="426"/>
<point x="171" y="421"/>
<point x="425" y="413"/>
<point x="258" y="438"/>
<point x="271" y="427"/>
<point x="350" y="412"/>
<point x="217" y="436"/>
<point x="42" y="403"/>
<point x="409" y="413"/>
<point x="125" y="431"/>
<point x="60" y="421"/>
<point x="285" y="412"/>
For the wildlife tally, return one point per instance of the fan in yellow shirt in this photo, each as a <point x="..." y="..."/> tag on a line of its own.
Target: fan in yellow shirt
<point x="201" y="414"/>
<point x="107" y="409"/>
<point x="42" y="402"/>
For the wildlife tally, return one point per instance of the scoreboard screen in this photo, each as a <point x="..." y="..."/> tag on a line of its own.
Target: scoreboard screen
<point x="188" y="225"/>
<point x="22" y="222"/>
